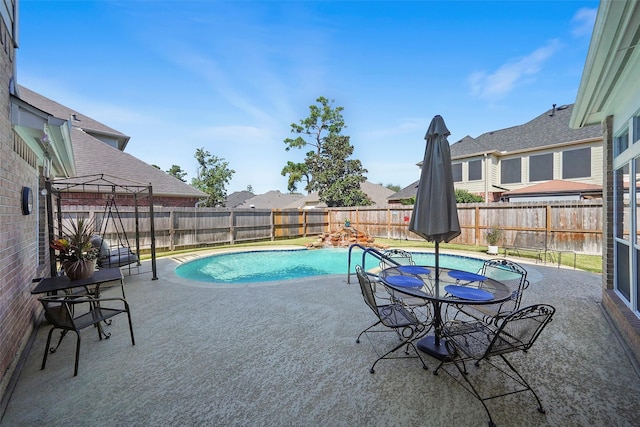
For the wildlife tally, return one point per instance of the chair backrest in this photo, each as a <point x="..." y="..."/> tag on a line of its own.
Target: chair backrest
<point x="57" y="312"/>
<point x="520" y="329"/>
<point x="511" y="274"/>
<point x="395" y="257"/>
<point x="367" y="289"/>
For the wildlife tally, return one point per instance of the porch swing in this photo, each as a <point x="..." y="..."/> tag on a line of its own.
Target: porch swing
<point x="118" y="252"/>
<point x="111" y="224"/>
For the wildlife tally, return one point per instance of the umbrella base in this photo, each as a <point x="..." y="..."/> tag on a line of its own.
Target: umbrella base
<point x="428" y="345"/>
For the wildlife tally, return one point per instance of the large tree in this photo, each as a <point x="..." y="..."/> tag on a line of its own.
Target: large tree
<point x="297" y="172"/>
<point x="213" y="176"/>
<point x="327" y="168"/>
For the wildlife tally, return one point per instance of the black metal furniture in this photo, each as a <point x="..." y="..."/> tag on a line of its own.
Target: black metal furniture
<point x="394" y="317"/>
<point x="76" y="312"/>
<point x="476" y="341"/>
<point x="397" y="257"/>
<point x="420" y="282"/>
<point x="509" y="273"/>
<point x="91" y="284"/>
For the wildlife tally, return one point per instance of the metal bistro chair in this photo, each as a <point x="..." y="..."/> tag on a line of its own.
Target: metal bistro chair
<point x="62" y="313"/>
<point x="511" y="274"/>
<point x="394" y="317"/>
<point x="398" y="257"/>
<point x="478" y="341"/>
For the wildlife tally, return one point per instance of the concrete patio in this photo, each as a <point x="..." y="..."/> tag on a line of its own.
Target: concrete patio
<point x="284" y="354"/>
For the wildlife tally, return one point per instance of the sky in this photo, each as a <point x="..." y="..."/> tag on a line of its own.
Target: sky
<point x="232" y="76"/>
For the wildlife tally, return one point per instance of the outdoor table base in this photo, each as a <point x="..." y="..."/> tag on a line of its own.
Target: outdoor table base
<point x="429" y="346"/>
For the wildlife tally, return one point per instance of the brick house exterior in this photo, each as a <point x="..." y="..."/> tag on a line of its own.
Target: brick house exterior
<point x="609" y="95"/>
<point x="20" y="257"/>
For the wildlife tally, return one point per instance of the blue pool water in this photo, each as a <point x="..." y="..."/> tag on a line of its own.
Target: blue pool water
<point x="272" y="265"/>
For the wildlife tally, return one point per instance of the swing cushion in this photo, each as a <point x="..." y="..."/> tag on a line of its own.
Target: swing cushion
<point x="118" y="257"/>
<point x="99" y="243"/>
<point x="112" y="258"/>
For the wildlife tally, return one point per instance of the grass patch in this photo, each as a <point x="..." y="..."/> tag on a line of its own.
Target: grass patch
<point x="592" y="263"/>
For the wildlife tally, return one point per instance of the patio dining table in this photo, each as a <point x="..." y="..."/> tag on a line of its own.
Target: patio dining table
<point x="451" y="287"/>
<point x="63" y="283"/>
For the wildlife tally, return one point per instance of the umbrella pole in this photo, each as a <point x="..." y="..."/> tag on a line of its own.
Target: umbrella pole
<point x="438" y="318"/>
<point x="437" y="261"/>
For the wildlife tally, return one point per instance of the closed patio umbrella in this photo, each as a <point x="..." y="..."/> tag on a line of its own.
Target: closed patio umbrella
<point x="435" y="215"/>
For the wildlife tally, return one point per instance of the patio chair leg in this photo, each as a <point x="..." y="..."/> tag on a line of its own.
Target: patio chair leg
<point x="75" y="369"/>
<point x="424" y="366"/>
<point x="525" y="383"/>
<point x="375" y="324"/>
<point x="47" y="349"/>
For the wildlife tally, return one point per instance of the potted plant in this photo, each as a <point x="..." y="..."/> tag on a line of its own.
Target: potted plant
<point x="494" y="235"/>
<point x="77" y="254"/>
<point x="347" y="222"/>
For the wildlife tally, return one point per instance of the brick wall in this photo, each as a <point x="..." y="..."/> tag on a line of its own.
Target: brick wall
<point x="18" y="233"/>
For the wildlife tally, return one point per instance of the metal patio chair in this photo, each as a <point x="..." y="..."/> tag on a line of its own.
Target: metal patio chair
<point x="397" y="257"/>
<point x="76" y="312"/>
<point x="476" y="341"/>
<point x="394" y="317"/>
<point x="511" y="274"/>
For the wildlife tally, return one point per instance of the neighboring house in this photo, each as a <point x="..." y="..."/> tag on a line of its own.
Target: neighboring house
<point x="609" y="96"/>
<point x="237" y="198"/>
<point x="97" y="149"/>
<point x="376" y="192"/>
<point x="554" y="190"/>
<point x="521" y="158"/>
<point x="269" y="200"/>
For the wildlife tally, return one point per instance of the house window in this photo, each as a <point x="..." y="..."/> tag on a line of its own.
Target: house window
<point x="475" y="170"/>
<point x="456" y="168"/>
<point x="621" y="143"/>
<point x="636" y="129"/>
<point x="622" y="214"/>
<point x="576" y="163"/>
<point x="510" y="171"/>
<point x="541" y="167"/>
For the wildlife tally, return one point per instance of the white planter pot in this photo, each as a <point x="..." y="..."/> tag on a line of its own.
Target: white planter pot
<point x="492" y="250"/>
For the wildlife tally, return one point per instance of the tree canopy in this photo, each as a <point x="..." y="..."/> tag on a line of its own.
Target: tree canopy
<point x="327" y="169"/>
<point x="464" y="196"/>
<point x="177" y="172"/>
<point x="213" y="176"/>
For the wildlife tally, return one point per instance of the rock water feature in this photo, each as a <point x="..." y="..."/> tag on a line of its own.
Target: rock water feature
<point x="343" y="238"/>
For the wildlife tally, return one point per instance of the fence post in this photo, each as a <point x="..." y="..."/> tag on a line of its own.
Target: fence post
<point x="273" y="225"/>
<point x="477" y="225"/>
<point x="547" y="225"/>
<point x="232" y="229"/>
<point x="172" y="231"/>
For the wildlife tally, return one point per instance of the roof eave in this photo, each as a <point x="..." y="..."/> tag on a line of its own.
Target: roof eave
<point x="613" y="47"/>
<point x="48" y="136"/>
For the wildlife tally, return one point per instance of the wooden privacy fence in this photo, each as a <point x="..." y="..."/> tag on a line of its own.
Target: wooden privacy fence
<point x="575" y="226"/>
<point x="185" y="227"/>
<point x="565" y="226"/>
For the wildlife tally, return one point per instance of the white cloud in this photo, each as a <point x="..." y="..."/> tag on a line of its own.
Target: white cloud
<point x="403" y="126"/>
<point x="495" y="85"/>
<point x="582" y="22"/>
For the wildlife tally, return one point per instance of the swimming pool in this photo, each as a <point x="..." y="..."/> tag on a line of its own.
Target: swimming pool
<point x="272" y="265"/>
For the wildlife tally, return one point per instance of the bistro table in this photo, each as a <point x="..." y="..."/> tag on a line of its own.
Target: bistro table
<point x="451" y="287"/>
<point x="63" y="283"/>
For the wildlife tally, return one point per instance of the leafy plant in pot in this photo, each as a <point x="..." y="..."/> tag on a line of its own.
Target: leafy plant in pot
<point x="77" y="254"/>
<point x="494" y="235"/>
